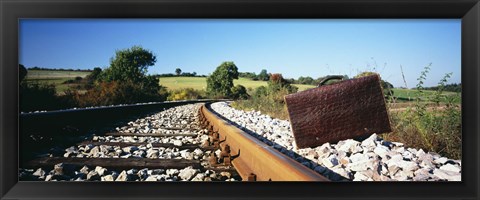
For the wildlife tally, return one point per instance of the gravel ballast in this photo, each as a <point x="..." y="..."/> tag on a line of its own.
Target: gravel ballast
<point x="372" y="159"/>
<point x="174" y="121"/>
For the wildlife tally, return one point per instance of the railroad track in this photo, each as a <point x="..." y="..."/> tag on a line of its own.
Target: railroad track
<point x="183" y="143"/>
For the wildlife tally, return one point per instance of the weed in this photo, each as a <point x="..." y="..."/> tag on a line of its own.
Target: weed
<point x="434" y="127"/>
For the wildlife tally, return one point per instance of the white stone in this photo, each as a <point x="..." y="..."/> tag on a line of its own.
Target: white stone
<point x="349" y="146"/>
<point x="405" y="165"/>
<point x="198" y="152"/>
<point x="199" y="177"/>
<point x="84" y="169"/>
<point x="152" y="153"/>
<point x="420" y="153"/>
<point x="122" y="176"/>
<point x="370" y="141"/>
<point x="330" y="161"/>
<point x="226" y="174"/>
<point x="393" y="169"/>
<point x="132" y="171"/>
<point x="447" y="175"/>
<point x="400" y="176"/>
<point x="130" y="149"/>
<point x="441" y="160"/>
<point x="381" y="151"/>
<point x="358" y="157"/>
<point x="359" y="176"/>
<point x="360" y="166"/>
<point x="49" y="177"/>
<point x="341" y="171"/>
<point x="450" y="167"/>
<point x="399" y="149"/>
<point x="177" y="143"/>
<point x="93" y="175"/>
<point x="108" y="178"/>
<point x="58" y="169"/>
<point x="40" y="172"/>
<point x="151" y="178"/>
<point x="100" y="170"/>
<point x="407" y="155"/>
<point x="397" y="144"/>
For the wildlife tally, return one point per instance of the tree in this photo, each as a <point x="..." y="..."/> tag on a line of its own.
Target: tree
<point x="129" y="65"/>
<point x="386" y="86"/>
<point x="306" y="80"/>
<point x="263" y="76"/>
<point x="127" y="75"/>
<point x="94" y="74"/>
<point x="22" y="73"/>
<point x="178" y="71"/>
<point x="220" y="83"/>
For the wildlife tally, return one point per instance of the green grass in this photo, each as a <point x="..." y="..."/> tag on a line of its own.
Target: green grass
<point x="405" y="95"/>
<point x="200" y="83"/>
<point x="174" y="83"/>
<point x="54" y="77"/>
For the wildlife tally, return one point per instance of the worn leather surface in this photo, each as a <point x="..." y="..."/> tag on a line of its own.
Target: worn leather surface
<point x="349" y="109"/>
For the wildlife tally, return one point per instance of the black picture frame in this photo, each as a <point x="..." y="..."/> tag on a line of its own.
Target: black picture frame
<point x="11" y="11"/>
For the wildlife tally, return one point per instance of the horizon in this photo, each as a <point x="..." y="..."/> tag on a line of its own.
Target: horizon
<point x="294" y="48"/>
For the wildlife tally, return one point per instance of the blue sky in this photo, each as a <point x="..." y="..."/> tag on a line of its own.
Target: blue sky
<point x="314" y="48"/>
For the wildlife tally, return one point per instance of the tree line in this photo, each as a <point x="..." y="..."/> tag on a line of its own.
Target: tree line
<point x="453" y="87"/>
<point x="58" y="69"/>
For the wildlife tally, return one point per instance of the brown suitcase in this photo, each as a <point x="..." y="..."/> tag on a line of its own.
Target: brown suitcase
<point x="348" y="109"/>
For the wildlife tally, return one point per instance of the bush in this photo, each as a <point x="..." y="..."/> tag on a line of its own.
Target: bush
<point x="269" y="100"/>
<point x="185" y="94"/>
<point x="436" y="129"/>
<point x="261" y="91"/>
<point x="69" y="81"/>
<point x="37" y="97"/>
<point x="112" y="93"/>
<point x="239" y="92"/>
<point x="278" y="87"/>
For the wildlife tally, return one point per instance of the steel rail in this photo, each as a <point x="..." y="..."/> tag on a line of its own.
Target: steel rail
<point x="253" y="158"/>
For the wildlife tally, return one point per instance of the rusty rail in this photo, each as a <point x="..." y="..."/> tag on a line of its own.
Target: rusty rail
<point x="255" y="160"/>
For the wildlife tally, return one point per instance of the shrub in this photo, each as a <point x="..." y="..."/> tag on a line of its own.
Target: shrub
<point x="185" y="94"/>
<point x="269" y="100"/>
<point x="36" y="97"/>
<point x="22" y="72"/>
<point x="278" y="87"/>
<point x="239" y="92"/>
<point x="112" y="93"/>
<point x="436" y="129"/>
<point x="261" y="91"/>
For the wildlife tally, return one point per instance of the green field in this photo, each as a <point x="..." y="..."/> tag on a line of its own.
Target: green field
<point x="200" y="83"/>
<point x="54" y="74"/>
<point x="406" y="95"/>
<point x="54" y="77"/>
<point x="172" y="83"/>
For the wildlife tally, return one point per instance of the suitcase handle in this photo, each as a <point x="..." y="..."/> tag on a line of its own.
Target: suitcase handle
<point x="330" y="77"/>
